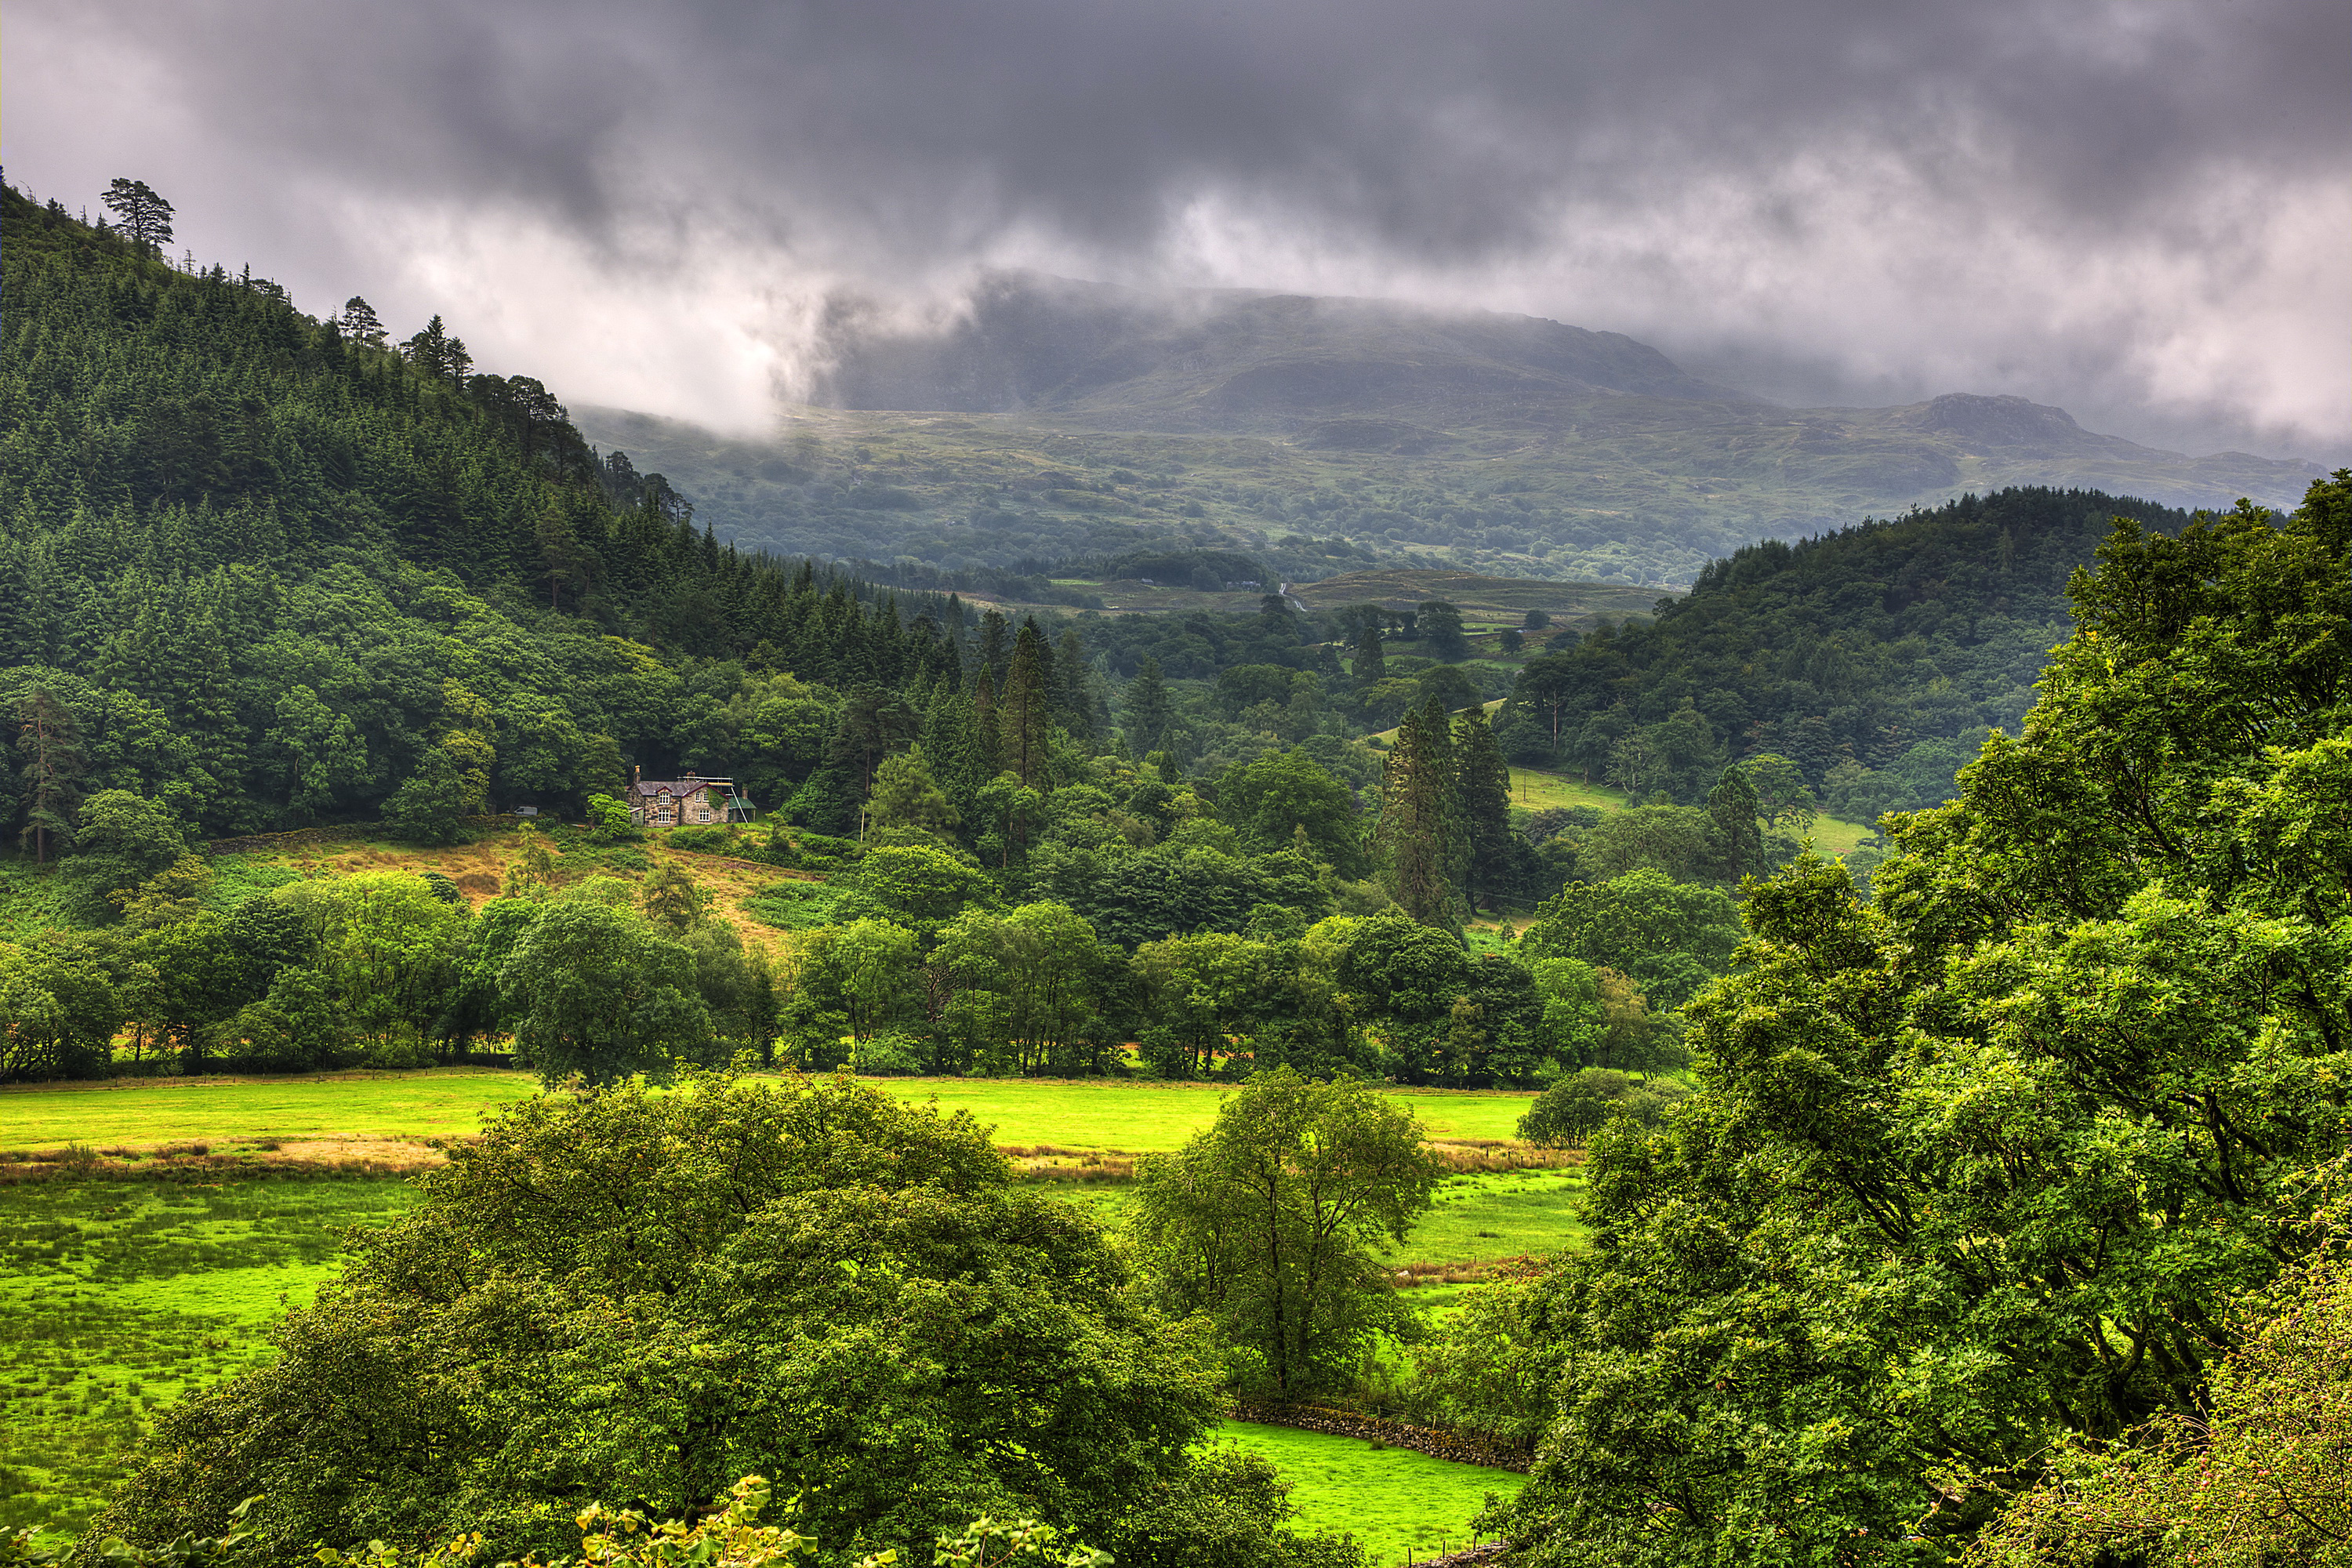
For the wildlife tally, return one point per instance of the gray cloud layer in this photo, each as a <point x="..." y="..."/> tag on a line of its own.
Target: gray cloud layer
<point x="2138" y="209"/>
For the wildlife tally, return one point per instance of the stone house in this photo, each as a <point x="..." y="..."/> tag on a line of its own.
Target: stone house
<point x="687" y="801"/>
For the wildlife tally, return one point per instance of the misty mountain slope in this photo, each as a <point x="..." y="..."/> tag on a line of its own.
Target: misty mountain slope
<point x="1058" y="420"/>
<point x="1233" y="360"/>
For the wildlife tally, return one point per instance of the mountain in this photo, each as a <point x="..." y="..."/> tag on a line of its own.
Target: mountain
<point x="1231" y="361"/>
<point x="1054" y="420"/>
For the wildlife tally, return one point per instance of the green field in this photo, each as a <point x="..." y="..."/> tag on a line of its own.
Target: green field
<point x="1086" y="1113"/>
<point x="1541" y="791"/>
<point x="1394" y="1501"/>
<point x="139" y="1112"/>
<point x="1105" y="1113"/>
<point x="116" y="1298"/>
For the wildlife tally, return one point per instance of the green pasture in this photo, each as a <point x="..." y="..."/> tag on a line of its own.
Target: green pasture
<point x="1477" y="1217"/>
<point x="1394" y="1501"/>
<point x="436" y="1102"/>
<point x="1539" y="791"/>
<point x="1086" y="1113"/>
<point x="1115" y="1113"/>
<point x="116" y="1298"/>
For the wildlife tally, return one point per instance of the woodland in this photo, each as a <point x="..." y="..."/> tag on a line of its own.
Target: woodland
<point x="1979" y="1196"/>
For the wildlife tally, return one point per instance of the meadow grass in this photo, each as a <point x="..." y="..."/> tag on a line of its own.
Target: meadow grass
<point x="1083" y="1113"/>
<point x="432" y="1103"/>
<point x="1113" y="1113"/>
<point x="116" y="1298"/>
<point x="1478" y="1218"/>
<point x="1394" y="1500"/>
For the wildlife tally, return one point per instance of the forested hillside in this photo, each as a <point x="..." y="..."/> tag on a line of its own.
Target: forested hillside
<point x="1875" y="658"/>
<point x="269" y="570"/>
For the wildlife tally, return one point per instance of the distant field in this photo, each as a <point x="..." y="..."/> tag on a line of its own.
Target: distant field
<point x="1479" y="1217"/>
<point x="1540" y="791"/>
<point x="140" y="1112"/>
<point x="1069" y="1114"/>
<point x="1394" y="1500"/>
<point x="1505" y="600"/>
<point x="1097" y="1113"/>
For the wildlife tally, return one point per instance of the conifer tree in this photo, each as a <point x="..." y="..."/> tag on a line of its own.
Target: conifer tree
<point x="1418" y="812"/>
<point x="1367" y="667"/>
<point x="53" y="763"/>
<point x="360" y="323"/>
<point x="1075" y="700"/>
<point x="1147" y="709"/>
<point x="142" y="216"/>
<point x="995" y="650"/>
<point x="1027" y="705"/>
<point x="1733" y="809"/>
<point x="1483" y="788"/>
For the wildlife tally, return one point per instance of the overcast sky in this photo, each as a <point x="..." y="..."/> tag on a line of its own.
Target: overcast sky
<point x="2140" y="211"/>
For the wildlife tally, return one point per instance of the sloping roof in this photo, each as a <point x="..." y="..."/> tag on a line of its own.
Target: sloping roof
<point x="652" y="787"/>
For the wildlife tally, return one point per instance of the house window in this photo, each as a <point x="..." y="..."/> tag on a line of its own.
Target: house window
<point x="703" y="814"/>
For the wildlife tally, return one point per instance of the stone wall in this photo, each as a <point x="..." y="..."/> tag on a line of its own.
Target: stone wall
<point x="1435" y="1441"/>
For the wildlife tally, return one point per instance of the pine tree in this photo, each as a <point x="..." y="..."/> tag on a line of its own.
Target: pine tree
<point x="51" y="743"/>
<point x="1147" y="709"/>
<point x="1733" y="808"/>
<point x="1419" y="813"/>
<point x="995" y="635"/>
<point x="1483" y="788"/>
<point x="1367" y="667"/>
<point x="1074" y="702"/>
<point x="1027" y="705"/>
<point x="141" y="216"/>
<point x="361" y="325"/>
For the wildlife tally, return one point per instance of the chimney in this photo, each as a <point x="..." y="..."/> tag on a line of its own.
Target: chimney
<point x="636" y="774"/>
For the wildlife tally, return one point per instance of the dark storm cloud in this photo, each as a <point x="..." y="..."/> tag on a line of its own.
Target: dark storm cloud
<point x="1553" y="154"/>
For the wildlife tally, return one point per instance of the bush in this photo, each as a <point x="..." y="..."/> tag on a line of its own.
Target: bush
<point x="892" y="1054"/>
<point x="713" y="840"/>
<point x="1571" y="1110"/>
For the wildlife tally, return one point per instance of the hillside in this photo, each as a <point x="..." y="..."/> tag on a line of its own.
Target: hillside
<point x="1058" y="419"/>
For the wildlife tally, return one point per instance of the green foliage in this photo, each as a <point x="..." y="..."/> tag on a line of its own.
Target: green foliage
<point x="784" y="1272"/>
<point x="1571" y="1111"/>
<point x="121" y="840"/>
<point x="1267" y="1222"/>
<point x="1978" y="1164"/>
<point x="599" y="993"/>
<point x="1670" y="938"/>
<point x="2261" y="1472"/>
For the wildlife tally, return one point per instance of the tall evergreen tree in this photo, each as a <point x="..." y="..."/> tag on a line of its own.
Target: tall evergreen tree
<point x="360" y="323"/>
<point x="995" y="646"/>
<point x="142" y="216"/>
<point x="53" y="763"/>
<point x="1732" y="808"/>
<point x="1419" y="829"/>
<point x="1027" y="705"/>
<point x="1147" y="709"/>
<point x="1074" y="699"/>
<point x="1367" y="666"/>
<point x="1483" y="790"/>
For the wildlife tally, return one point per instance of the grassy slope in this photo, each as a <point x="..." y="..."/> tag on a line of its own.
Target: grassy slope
<point x="1394" y="1500"/>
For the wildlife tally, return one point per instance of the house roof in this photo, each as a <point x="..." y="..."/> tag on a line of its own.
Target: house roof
<point x="678" y="788"/>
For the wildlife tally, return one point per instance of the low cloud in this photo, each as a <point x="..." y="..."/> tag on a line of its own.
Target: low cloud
<point x="2136" y="210"/>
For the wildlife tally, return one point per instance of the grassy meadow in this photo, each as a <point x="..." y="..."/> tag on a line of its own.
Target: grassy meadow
<point x="118" y="1297"/>
<point x="1076" y="1114"/>
<point x="1394" y="1501"/>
